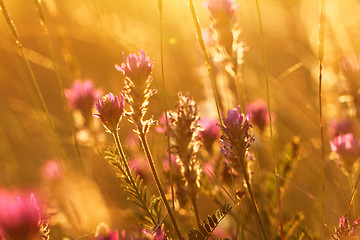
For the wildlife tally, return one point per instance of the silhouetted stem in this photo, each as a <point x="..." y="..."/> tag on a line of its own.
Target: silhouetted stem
<point x="157" y="180"/>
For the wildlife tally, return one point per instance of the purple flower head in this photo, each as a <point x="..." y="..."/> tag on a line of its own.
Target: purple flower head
<point x="81" y="96"/>
<point x="348" y="148"/>
<point x="19" y="215"/>
<point x="110" y="108"/>
<point x="236" y="138"/>
<point x="221" y="9"/>
<point x="136" y="68"/>
<point x="104" y="233"/>
<point x="209" y="133"/>
<point x="259" y="114"/>
<point x="340" y="126"/>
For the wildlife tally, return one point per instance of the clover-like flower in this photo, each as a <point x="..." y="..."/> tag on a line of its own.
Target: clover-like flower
<point x="111" y="109"/>
<point x="347" y="146"/>
<point x="19" y="216"/>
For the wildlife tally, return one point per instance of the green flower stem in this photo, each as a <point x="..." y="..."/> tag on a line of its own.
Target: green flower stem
<point x="157" y="180"/>
<point x="128" y="173"/>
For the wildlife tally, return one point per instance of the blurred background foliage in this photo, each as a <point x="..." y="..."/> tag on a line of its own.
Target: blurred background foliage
<point x="89" y="38"/>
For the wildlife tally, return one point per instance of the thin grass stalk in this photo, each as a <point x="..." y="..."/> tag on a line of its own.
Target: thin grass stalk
<point x="35" y="82"/>
<point x="262" y="38"/>
<point x="278" y="195"/>
<point x="193" y="201"/>
<point x="165" y="102"/>
<point x="128" y="172"/>
<point x="321" y="57"/>
<point x="352" y="195"/>
<point x="58" y="76"/>
<point x="157" y="179"/>
<point x="207" y="61"/>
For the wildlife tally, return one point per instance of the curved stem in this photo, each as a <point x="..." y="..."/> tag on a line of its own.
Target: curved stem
<point x="157" y="179"/>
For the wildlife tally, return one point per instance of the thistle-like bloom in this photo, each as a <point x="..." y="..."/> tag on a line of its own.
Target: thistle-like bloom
<point x="137" y="71"/>
<point x="111" y="109"/>
<point x="104" y="233"/>
<point x="236" y="136"/>
<point x="347" y="147"/>
<point x="259" y="114"/>
<point x="82" y="96"/>
<point x="19" y="216"/>
<point x="209" y="133"/>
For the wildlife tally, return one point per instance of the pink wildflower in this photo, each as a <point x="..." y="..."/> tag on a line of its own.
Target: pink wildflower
<point x="19" y="216"/>
<point x="110" y="109"/>
<point x="259" y="114"/>
<point x="347" y="146"/>
<point x="81" y="96"/>
<point x="136" y="68"/>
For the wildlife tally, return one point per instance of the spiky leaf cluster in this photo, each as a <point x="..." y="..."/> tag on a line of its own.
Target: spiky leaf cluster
<point x="206" y="228"/>
<point x="136" y="189"/>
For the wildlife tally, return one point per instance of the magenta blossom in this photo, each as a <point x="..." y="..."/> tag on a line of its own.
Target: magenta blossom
<point x="136" y="68"/>
<point x="161" y="128"/>
<point x="82" y="96"/>
<point x="19" y="216"/>
<point x="347" y="147"/>
<point x="209" y="133"/>
<point x="158" y="235"/>
<point x="259" y="114"/>
<point x="110" y="108"/>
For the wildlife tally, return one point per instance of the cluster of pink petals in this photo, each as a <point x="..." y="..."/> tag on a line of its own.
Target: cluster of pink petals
<point x="347" y="146"/>
<point x="19" y="215"/>
<point x="136" y="68"/>
<point x="110" y="110"/>
<point x="237" y="125"/>
<point x="158" y="235"/>
<point x="82" y="95"/>
<point x="221" y="8"/>
<point x="259" y="114"/>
